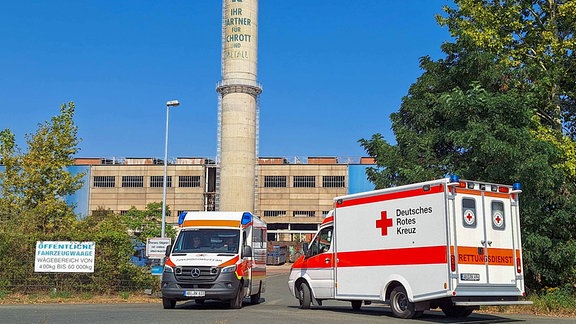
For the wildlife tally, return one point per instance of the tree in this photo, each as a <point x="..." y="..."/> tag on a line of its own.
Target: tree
<point x="32" y="208"/>
<point x="498" y="108"/>
<point x="145" y="224"/>
<point x="534" y="39"/>
<point x="35" y="183"/>
<point x="9" y="195"/>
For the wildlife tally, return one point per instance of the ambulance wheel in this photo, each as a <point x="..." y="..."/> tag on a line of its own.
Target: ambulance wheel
<point x="236" y="302"/>
<point x="456" y="311"/>
<point x="400" y="305"/>
<point x="356" y="304"/>
<point x="168" y="303"/>
<point x="255" y="299"/>
<point x="304" y="296"/>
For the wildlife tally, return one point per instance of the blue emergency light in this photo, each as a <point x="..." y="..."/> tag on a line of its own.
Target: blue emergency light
<point x="181" y="218"/>
<point x="454" y="178"/>
<point x="516" y="186"/>
<point x="246" y="218"/>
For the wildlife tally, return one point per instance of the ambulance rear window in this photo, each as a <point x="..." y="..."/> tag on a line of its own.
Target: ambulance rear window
<point x="469" y="212"/>
<point x="498" y="217"/>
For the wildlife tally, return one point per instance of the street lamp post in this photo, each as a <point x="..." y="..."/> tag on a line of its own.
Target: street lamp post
<point x="171" y="103"/>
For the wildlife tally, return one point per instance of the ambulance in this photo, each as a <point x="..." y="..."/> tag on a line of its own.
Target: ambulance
<point x="216" y="256"/>
<point x="450" y="244"/>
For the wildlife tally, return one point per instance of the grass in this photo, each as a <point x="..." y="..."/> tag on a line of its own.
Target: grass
<point x="61" y="297"/>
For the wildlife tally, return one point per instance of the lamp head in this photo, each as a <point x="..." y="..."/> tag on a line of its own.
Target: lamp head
<point x="173" y="103"/>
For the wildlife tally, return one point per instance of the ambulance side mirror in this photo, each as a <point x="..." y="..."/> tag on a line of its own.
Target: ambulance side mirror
<point x="246" y="251"/>
<point x="168" y="249"/>
<point x="305" y="248"/>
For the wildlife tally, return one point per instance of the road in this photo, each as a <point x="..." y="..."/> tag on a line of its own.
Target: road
<point x="277" y="306"/>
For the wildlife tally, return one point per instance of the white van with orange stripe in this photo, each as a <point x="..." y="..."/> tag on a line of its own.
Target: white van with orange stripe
<point x="449" y="243"/>
<point x="216" y="255"/>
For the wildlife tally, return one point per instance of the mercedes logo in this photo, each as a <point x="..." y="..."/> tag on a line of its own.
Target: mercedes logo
<point x="195" y="273"/>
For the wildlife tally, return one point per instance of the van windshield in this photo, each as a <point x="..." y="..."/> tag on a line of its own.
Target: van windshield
<point x="207" y="241"/>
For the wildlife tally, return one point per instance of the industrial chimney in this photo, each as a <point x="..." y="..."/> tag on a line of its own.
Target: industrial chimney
<point x="238" y="107"/>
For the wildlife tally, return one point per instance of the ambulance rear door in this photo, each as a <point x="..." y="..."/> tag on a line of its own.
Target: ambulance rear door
<point x="485" y="229"/>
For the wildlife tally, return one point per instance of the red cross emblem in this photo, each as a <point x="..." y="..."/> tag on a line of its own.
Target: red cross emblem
<point x="383" y="223"/>
<point x="498" y="220"/>
<point x="469" y="217"/>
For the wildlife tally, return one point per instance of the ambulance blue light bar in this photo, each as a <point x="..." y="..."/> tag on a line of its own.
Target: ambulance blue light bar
<point x="516" y="186"/>
<point x="246" y="218"/>
<point x="454" y="178"/>
<point x="181" y="218"/>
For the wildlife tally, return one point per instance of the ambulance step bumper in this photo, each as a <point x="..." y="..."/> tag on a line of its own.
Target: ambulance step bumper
<point x="494" y="303"/>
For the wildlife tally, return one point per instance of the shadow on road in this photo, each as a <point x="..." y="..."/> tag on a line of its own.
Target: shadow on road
<point x="431" y="316"/>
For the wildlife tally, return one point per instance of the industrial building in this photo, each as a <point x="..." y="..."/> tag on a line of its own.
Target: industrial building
<point x="292" y="195"/>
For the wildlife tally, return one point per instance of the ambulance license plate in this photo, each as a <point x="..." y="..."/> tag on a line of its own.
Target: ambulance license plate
<point x="470" y="276"/>
<point x="194" y="293"/>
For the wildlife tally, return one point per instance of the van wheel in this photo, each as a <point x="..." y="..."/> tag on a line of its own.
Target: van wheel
<point x="168" y="303"/>
<point x="456" y="311"/>
<point x="356" y="304"/>
<point x="255" y="299"/>
<point x="236" y="302"/>
<point x="304" y="296"/>
<point x="400" y="305"/>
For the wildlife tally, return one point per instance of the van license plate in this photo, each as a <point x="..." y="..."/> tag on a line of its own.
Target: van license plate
<point x="194" y="293"/>
<point x="470" y="276"/>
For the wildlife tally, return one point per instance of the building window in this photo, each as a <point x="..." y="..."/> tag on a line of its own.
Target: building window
<point x="325" y="213"/>
<point x="132" y="181"/>
<point x="188" y="181"/>
<point x="104" y="181"/>
<point x="301" y="213"/>
<point x="158" y="181"/>
<point x="333" y="182"/>
<point x="274" y="213"/>
<point x="304" y="181"/>
<point x="275" y="181"/>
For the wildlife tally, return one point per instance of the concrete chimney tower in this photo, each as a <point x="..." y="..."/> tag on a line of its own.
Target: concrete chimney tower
<point x="238" y="107"/>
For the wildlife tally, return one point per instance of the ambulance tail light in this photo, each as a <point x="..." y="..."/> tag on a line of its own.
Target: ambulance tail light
<point x="452" y="263"/>
<point x="518" y="265"/>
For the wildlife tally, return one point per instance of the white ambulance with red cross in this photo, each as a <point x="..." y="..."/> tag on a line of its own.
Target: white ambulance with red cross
<point x="448" y="243"/>
<point x="216" y="255"/>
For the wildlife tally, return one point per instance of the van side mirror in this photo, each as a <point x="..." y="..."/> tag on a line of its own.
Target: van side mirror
<point x="246" y="251"/>
<point x="168" y="249"/>
<point x="305" y="248"/>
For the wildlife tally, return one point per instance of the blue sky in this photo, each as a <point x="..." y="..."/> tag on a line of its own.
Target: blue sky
<point x="332" y="71"/>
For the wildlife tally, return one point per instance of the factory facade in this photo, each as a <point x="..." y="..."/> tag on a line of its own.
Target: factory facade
<point x="292" y="195"/>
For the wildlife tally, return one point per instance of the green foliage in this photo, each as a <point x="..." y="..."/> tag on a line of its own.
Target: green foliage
<point x="145" y="224"/>
<point x="32" y="209"/>
<point x="555" y="299"/>
<point x="500" y="107"/>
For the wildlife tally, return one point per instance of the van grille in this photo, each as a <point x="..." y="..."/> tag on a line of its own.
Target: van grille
<point x="194" y="274"/>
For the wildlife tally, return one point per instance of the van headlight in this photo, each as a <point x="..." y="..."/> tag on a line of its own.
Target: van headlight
<point x="229" y="269"/>
<point x="168" y="268"/>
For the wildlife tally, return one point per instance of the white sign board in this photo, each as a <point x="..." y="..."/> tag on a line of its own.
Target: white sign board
<point x="156" y="247"/>
<point x="64" y="256"/>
